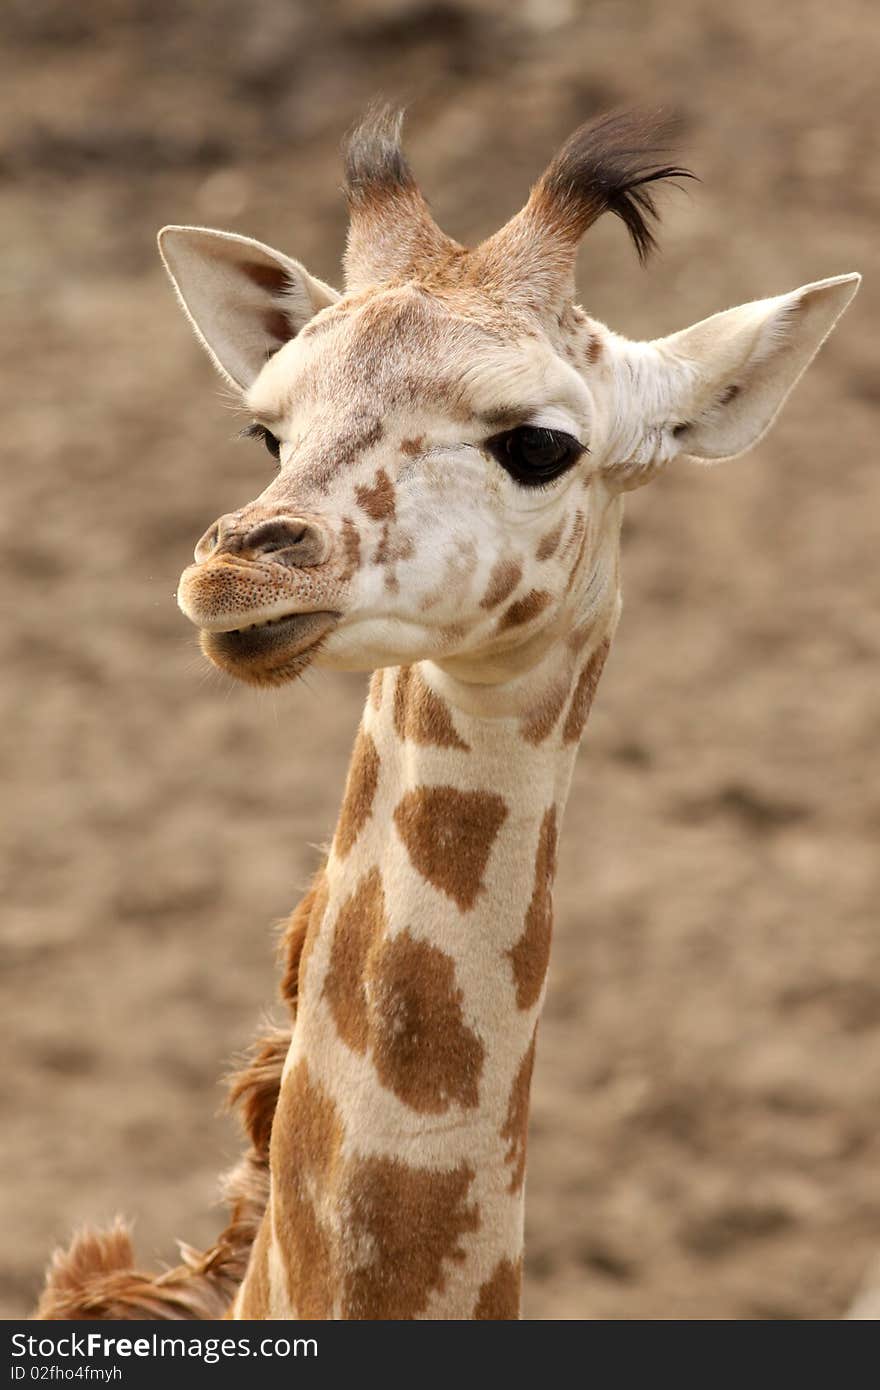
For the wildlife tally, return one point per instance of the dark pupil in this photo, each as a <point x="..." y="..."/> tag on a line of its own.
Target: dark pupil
<point x="532" y="455"/>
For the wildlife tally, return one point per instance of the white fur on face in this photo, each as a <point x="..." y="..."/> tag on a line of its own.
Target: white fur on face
<point x="383" y="413"/>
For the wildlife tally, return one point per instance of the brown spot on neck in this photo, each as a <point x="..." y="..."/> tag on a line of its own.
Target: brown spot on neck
<point x="377" y="501"/>
<point x="499" y="1297"/>
<point x="413" y="447"/>
<point x="406" y="1227"/>
<point x="397" y="998"/>
<point x="540" y="721"/>
<point x="516" y="1125"/>
<point x="306" y="1143"/>
<point x="360" y="789"/>
<point x="505" y="576"/>
<point x="359" y="1237"/>
<point x="449" y="836"/>
<point x="421" y="715"/>
<point x="524" y="609"/>
<point x="531" y="954"/>
<point x="422" y="1048"/>
<point x="593" y="349"/>
<point x="359" y="925"/>
<point x="582" y="699"/>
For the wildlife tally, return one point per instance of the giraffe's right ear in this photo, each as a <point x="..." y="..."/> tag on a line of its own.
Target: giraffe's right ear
<point x="243" y="299"/>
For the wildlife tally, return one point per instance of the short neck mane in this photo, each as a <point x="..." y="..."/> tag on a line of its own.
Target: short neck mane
<point x="399" y="1144"/>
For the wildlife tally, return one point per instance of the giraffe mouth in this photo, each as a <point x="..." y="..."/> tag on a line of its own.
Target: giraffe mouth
<point x="271" y="651"/>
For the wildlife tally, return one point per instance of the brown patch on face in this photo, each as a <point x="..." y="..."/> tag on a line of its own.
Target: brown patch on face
<point x="392" y="548"/>
<point x="306" y="1144"/>
<point x="516" y="1125"/>
<point x="405" y="1225"/>
<point x="360" y="789"/>
<point x="531" y="954"/>
<point x="421" y="715"/>
<point x="499" y="1297"/>
<point x="422" y="1048"/>
<point x="361" y="922"/>
<point x="376" y="681"/>
<point x="349" y="450"/>
<point x="593" y="349"/>
<point x="582" y="699"/>
<point x="524" y="609"/>
<point x="549" y="544"/>
<point x="256" y="1293"/>
<point x="449" y="835"/>
<point x="351" y="549"/>
<point x="299" y="935"/>
<point x="412" y="447"/>
<point x="505" y="576"/>
<point x="377" y="501"/>
<point x="540" y="721"/>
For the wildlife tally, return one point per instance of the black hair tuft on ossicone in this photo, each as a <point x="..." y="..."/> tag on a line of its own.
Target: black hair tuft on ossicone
<point x="607" y="166"/>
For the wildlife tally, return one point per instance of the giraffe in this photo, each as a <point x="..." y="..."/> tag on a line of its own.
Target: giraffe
<point x="453" y="440"/>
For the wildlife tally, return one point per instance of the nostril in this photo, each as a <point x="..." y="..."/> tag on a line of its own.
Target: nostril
<point x="292" y="540"/>
<point x="284" y="542"/>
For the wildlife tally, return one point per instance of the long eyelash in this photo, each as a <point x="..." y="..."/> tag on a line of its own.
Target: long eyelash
<point x="253" y="431"/>
<point x="257" y="431"/>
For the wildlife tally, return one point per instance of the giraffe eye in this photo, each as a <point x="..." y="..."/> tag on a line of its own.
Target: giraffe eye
<point x="532" y="455"/>
<point x="258" y="431"/>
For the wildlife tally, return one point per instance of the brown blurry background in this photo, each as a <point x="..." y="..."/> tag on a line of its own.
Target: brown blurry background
<point x="706" y="1127"/>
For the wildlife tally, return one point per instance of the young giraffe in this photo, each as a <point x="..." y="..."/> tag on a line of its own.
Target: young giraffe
<point x="454" y="438"/>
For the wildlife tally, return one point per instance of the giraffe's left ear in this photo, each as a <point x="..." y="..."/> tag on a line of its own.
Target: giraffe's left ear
<point x="715" y="388"/>
<point x="737" y="368"/>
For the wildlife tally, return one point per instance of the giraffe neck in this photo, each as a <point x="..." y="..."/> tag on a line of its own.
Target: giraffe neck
<point x="399" y="1143"/>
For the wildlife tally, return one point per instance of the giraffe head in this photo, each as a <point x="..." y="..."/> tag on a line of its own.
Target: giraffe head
<point x="452" y="435"/>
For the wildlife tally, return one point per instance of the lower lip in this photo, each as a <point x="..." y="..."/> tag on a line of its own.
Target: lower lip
<point x="276" y="642"/>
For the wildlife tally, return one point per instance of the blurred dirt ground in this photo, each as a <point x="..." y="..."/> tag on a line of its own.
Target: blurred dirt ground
<point x="706" y="1121"/>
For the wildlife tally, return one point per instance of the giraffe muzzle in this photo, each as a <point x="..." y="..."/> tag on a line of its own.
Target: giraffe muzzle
<point x="261" y="595"/>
